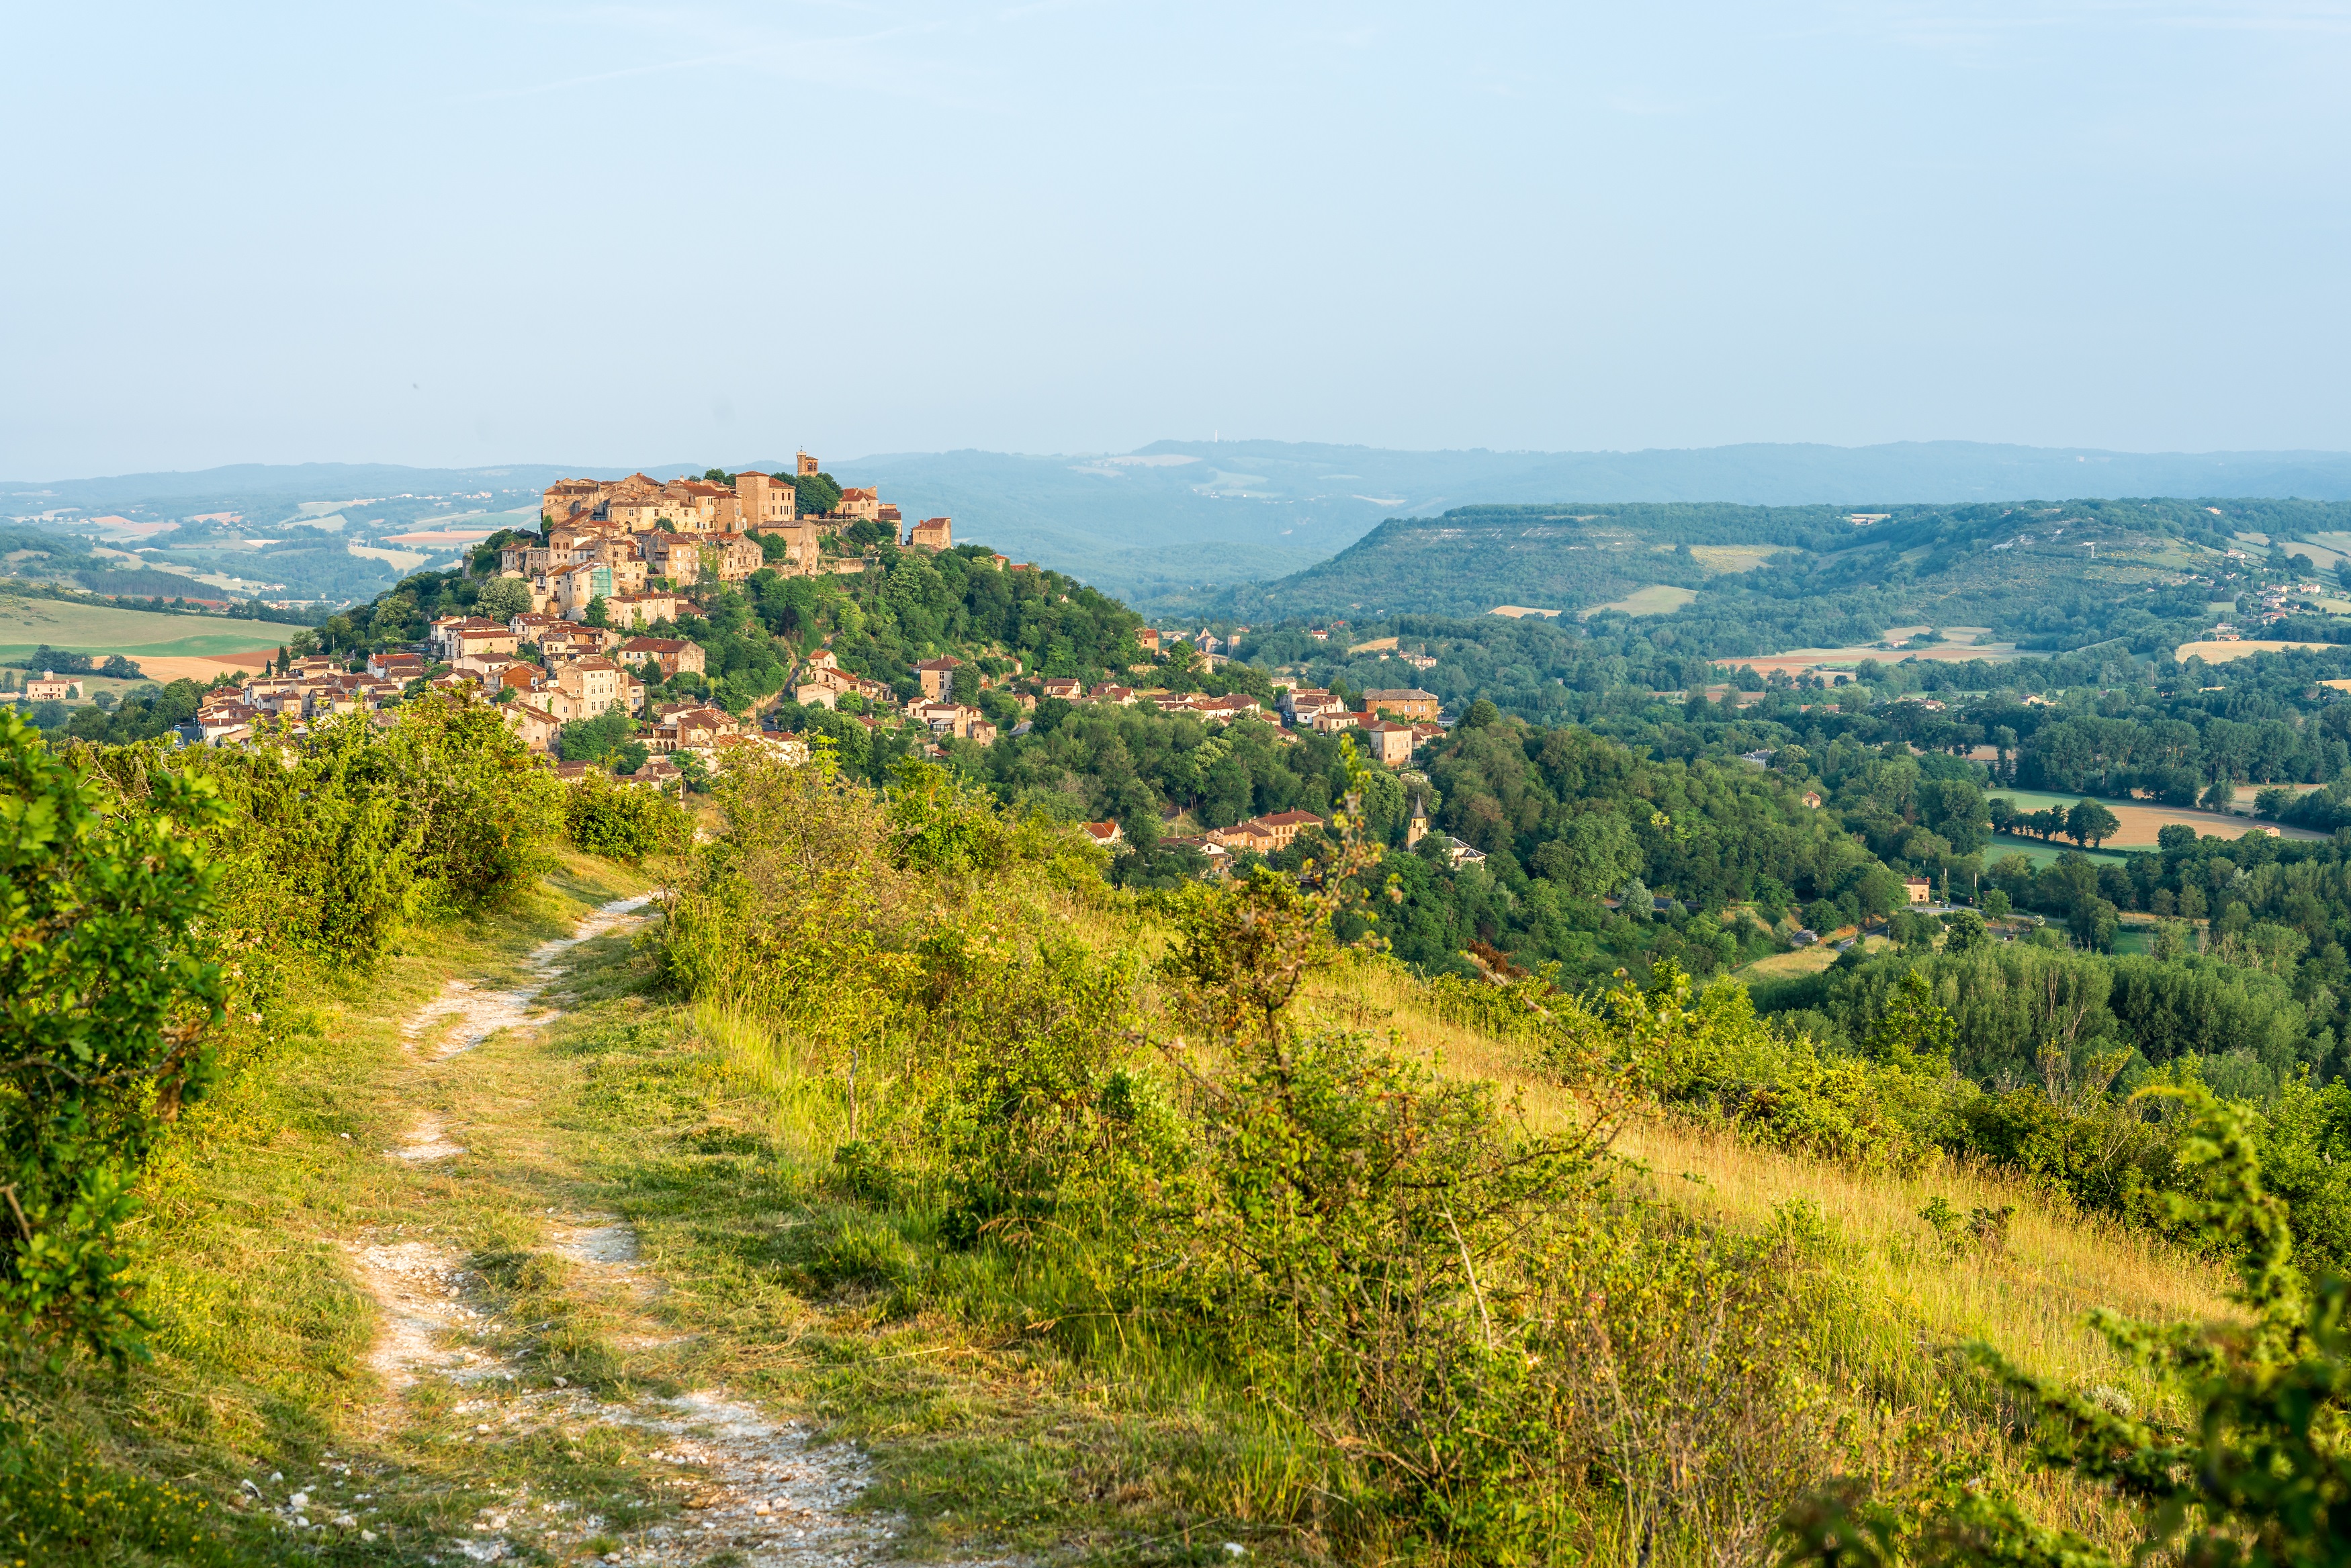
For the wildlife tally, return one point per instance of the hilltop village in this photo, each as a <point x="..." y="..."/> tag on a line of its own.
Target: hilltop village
<point x="580" y="628"/>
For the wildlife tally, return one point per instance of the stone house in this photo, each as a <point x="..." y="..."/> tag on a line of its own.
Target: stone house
<point x="933" y="534"/>
<point x="736" y="556"/>
<point x="673" y="654"/>
<point x="1408" y="704"/>
<point x="937" y="675"/>
<point x="587" y="688"/>
<point x="764" y="502"/>
<point x="1390" y="744"/>
<point x="677" y="557"/>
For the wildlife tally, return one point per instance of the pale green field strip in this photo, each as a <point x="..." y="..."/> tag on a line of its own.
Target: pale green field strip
<point x="1657" y="598"/>
<point x="26" y="624"/>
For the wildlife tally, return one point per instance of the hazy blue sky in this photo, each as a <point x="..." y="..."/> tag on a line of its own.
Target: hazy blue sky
<point x="458" y="234"/>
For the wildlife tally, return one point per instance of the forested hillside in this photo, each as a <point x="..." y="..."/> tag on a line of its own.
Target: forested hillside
<point x="2051" y="576"/>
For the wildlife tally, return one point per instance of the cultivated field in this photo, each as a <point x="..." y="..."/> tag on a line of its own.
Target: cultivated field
<point x="1797" y="661"/>
<point x="2142" y="820"/>
<point x="1657" y="598"/>
<point x="1736" y="557"/>
<point x="183" y="666"/>
<point x="2223" y="652"/>
<point x="26" y="623"/>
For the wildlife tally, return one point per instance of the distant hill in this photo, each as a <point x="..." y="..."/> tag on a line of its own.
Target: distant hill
<point x="1172" y="523"/>
<point x="1741" y="579"/>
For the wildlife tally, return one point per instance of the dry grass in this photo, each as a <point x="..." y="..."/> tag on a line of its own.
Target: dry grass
<point x="2223" y="652"/>
<point x="1910" y="1302"/>
<point x="2141" y="821"/>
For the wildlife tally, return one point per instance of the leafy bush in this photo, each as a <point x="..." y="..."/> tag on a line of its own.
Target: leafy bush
<point x="106" y="998"/>
<point x="623" y="822"/>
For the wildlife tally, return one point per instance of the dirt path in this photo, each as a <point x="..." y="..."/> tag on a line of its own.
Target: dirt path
<point x="753" y="1489"/>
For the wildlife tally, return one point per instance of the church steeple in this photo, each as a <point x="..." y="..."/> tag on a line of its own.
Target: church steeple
<point x="1417" y="828"/>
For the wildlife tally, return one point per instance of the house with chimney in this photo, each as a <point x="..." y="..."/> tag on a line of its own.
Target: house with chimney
<point x="931" y="534"/>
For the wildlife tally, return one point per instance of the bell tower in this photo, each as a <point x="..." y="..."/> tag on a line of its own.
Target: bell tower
<point x="1416" y="828"/>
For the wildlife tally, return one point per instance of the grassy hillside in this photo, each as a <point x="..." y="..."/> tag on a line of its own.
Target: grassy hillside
<point x="958" y="1210"/>
<point x="26" y="623"/>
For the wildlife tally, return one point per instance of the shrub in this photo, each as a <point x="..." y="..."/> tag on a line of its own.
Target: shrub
<point x="623" y="822"/>
<point x="106" y="998"/>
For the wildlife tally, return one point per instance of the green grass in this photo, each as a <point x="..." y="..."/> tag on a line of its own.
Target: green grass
<point x="26" y="623"/>
<point x="991" y="1424"/>
<point x="2006" y="844"/>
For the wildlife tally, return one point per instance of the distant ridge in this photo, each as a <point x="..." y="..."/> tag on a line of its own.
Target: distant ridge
<point x="1175" y="517"/>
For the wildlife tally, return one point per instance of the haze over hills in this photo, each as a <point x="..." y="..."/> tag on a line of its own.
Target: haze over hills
<point x="1160" y="524"/>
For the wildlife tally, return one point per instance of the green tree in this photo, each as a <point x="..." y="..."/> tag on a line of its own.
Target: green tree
<point x="2090" y="823"/>
<point x="599" y="614"/>
<point x="1965" y="932"/>
<point x="502" y="598"/>
<point x="815" y="494"/>
<point x="106" y="999"/>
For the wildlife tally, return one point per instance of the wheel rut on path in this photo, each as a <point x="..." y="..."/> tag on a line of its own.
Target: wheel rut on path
<point x="753" y="1489"/>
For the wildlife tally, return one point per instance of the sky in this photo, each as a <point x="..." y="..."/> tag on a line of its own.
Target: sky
<point x="469" y="233"/>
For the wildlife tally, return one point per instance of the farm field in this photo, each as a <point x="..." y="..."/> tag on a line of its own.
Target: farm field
<point x="26" y="624"/>
<point x="165" y="668"/>
<point x="2141" y="821"/>
<point x="1796" y="661"/>
<point x="1657" y="598"/>
<point x="2006" y="844"/>
<point x="1737" y="558"/>
<point x="2223" y="652"/>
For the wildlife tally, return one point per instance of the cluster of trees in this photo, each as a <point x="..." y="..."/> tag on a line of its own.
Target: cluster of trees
<point x="46" y="657"/>
<point x="2085" y="821"/>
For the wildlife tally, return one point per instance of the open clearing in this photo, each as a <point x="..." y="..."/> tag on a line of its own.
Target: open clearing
<point x="1657" y="598"/>
<point x="24" y="624"/>
<point x="1797" y="962"/>
<point x="172" y="666"/>
<point x="1798" y="660"/>
<point x="2223" y="652"/>
<point x="398" y="560"/>
<point x="1519" y="612"/>
<point x="2004" y="845"/>
<point x="2141" y="820"/>
<point x="1736" y="557"/>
